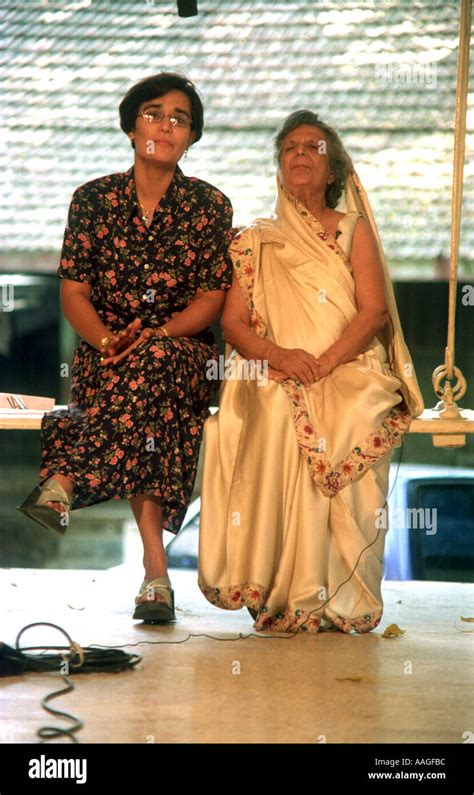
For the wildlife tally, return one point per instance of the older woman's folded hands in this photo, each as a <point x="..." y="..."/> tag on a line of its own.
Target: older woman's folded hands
<point x="298" y="364"/>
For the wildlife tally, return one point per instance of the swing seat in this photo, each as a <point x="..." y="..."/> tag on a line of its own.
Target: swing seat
<point x="445" y="432"/>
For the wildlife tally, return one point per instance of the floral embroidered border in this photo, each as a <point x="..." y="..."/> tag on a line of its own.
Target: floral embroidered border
<point x="254" y="596"/>
<point x="329" y="477"/>
<point x="318" y="228"/>
<point x="365" y="623"/>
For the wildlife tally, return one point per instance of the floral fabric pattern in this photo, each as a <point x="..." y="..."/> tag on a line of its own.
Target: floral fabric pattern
<point x="255" y="596"/>
<point x="136" y="427"/>
<point x="330" y="477"/>
<point x="289" y="504"/>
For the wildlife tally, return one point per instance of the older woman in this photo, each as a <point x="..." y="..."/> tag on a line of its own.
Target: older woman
<point x="144" y="269"/>
<point x="296" y="467"/>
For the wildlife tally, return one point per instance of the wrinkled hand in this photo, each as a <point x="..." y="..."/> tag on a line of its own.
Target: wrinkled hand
<point x="295" y="363"/>
<point x="145" y="334"/>
<point x="326" y="364"/>
<point x="276" y="375"/>
<point x="300" y="365"/>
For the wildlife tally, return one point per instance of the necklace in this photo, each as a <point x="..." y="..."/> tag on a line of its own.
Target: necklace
<point x="146" y="215"/>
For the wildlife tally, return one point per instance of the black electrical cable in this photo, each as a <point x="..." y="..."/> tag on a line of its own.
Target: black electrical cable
<point x="100" y="658"/>
<point x="361" y="552"/>
<point x="290" y="634"/>
<point x="92" y="659"/>
<point x="53" y="732"/>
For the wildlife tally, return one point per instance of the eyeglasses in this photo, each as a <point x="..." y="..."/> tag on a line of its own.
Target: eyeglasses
<point x="157" y="116"/>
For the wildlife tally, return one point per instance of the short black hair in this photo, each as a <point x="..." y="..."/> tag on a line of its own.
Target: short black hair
<point x="157" y="86"/>
<point x="339" y="160"/>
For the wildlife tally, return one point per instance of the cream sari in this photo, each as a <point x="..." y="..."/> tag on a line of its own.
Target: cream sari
<point x="293" y="476"/>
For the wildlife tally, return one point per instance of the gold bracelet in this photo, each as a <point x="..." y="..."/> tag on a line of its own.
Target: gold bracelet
<point x="165" y="332"/>
<point x="104" y="342"/>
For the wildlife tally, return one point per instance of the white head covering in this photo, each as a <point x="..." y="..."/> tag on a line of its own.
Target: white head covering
<point x="401" y="363"/>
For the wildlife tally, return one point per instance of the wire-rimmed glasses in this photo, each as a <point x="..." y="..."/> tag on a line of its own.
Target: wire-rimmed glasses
<point x="176" y="119"/>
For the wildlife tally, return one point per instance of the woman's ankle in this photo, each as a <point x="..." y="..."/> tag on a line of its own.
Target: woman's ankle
<point x="154" y="572"/>
<point x="155" y="567"/>
<point x="66" y="483"/>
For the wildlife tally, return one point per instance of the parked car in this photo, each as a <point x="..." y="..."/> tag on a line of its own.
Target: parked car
<point x="430" y="521"/>
<point x="431" y="524"/>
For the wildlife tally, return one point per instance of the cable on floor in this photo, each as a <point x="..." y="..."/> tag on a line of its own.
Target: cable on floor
<point x="110" y="659"/>
<point x="66" y="660"/>
<point x="289" y="634"/>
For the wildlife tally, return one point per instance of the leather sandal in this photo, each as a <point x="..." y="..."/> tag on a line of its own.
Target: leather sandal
<point x="34" y="507"/>
<point x="155" y="602"/>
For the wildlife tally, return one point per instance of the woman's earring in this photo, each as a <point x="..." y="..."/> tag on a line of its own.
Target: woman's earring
<point x="185" y="152"/>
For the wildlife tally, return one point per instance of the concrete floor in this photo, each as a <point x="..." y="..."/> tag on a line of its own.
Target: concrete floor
<point x="303" y="689"/>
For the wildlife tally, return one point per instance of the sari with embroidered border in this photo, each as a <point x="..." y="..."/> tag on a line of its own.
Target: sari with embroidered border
<point x="277" y="453"/>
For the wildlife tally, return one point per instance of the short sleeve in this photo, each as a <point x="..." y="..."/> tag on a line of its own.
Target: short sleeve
<point x="242" y="247"/>
<point x="76" y="255"/>
<point x="243" y="251"/>
<point x="215" y="271"/>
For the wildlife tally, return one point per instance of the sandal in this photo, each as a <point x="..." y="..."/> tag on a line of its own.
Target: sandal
<point x="34" y="507"/>
<point x="155" y="602"/>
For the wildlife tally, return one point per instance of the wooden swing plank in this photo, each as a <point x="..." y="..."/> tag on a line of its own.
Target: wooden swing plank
<point x="427" y="422"/>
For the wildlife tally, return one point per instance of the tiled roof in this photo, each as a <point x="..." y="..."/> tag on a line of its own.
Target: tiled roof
<point x="383" y="73"/>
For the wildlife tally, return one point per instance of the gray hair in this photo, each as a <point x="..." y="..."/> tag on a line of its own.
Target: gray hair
<point x="339" y="160"/>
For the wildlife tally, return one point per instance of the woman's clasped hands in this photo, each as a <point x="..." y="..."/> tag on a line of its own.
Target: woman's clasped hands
<point x="299" y="365"/>
<point x="125" y="341"/>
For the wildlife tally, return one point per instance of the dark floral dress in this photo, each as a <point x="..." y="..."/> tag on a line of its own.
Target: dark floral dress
<point x="135" y="427"/>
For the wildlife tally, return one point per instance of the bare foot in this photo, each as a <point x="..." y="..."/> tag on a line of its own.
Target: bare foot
<point x="67" y="485"/>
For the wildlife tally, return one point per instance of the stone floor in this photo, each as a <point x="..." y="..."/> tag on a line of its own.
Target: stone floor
<point x="220" y="687"/>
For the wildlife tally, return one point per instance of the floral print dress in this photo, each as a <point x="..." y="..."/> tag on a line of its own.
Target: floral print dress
<point x="135" y="427"/>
